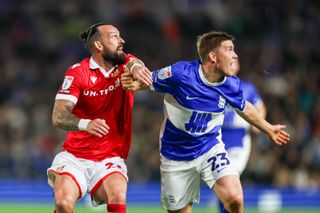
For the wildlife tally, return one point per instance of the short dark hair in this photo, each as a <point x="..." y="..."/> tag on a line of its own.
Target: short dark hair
<point x="91" y="34"/>
<point x="209" y="41"/>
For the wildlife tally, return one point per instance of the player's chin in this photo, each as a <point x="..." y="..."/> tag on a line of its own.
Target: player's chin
<point x="230" y="73"/>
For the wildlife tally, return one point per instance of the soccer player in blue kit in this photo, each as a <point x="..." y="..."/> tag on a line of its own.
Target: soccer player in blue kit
<point x="236" y="132"/>
<point x="196" y="95"/>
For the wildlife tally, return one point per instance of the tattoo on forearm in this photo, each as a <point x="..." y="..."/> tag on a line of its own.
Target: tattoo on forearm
<point x="64" y="119"/>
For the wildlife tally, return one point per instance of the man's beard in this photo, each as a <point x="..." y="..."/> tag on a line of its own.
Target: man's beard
<point x="113" y="58"/>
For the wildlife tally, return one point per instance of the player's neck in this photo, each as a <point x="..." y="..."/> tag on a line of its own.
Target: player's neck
<point x="211" y="74"/>
<point x="101" y="62"/>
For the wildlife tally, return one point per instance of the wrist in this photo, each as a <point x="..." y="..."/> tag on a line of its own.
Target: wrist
<point x="83" y="124"/>
<point x="134" y="62"/>
<point x="133" y="66"/>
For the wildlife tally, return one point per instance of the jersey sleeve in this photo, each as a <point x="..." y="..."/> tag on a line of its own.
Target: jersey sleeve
<point x="234" y="96"/>
<point x="71" y="86"/>
<point x="167" y="79"/>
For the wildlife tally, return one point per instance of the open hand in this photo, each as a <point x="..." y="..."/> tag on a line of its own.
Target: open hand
<point x="279" y="136"/>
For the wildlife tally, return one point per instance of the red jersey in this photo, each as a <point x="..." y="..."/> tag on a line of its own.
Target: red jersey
<point x="98" y="93"/>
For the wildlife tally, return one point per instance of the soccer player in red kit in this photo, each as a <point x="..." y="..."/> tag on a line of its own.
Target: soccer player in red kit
<point x="95" y="110"/>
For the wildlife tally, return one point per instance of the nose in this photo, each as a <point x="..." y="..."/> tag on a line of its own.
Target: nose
<point x="121" y="40"/>
<point x="235" y="56"/>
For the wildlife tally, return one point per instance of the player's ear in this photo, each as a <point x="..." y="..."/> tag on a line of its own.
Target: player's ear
<point x="98" y="45"/>
<point x="212" y="56"/>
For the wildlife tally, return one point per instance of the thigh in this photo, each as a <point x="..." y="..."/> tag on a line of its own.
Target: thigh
<point x="65" y="188"/>
<point x="112" y="190"/>
<point x="108" y="177"/>
<point x="180" y="184"/>
<point x="228" y="187"/>
<point x="67" y="168"/>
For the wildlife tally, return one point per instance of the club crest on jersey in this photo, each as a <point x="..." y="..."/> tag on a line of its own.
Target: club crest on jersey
<point x="165" y="73"/>
<point x="222" y="102"/>
<point x="115" y="73"/>
<point x="67" y="82"/>
<point x="93" y="79"/>
<point x="60" y="169"/>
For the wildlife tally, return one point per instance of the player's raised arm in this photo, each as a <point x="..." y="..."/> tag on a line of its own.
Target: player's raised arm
<point x="275" y="132"/>
<point x="139" y="71"/>
<point x="128" y="82"/>
<point x="63" y="118"/>
<point x="262" y="110"/>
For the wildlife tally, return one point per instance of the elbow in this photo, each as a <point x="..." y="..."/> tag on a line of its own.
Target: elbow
<point x="55" y="121"/>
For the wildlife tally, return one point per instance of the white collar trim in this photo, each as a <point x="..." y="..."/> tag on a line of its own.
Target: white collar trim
<point x="205" y="81"/>
<point x="94" y="65"/>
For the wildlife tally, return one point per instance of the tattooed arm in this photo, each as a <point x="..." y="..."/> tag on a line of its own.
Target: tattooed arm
<point x="63" y="118"/>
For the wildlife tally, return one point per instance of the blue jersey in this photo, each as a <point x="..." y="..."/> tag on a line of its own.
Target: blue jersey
<point x="235" y="128"/>
<point x="194" y="109"/>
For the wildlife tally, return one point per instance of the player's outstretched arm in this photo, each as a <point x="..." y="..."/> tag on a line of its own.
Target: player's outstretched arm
<point x="63" y="118"/>
<point x="261" y="109"/>
<point x="275" y="132"/>
<point x="139" y="71"/>
<point x="128" y="83"/>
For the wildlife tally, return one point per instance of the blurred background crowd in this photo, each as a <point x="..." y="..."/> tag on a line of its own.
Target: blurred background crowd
<point x="277" y="42"/>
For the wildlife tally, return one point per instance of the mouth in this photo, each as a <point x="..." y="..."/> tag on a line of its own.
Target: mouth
<point x="234" y="67"/>
<point x="120" y="51"/>
<point x="120" y="48"/>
